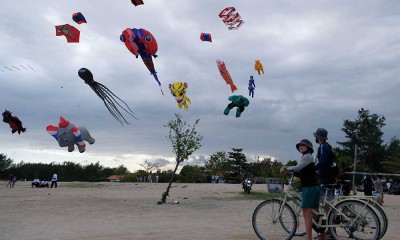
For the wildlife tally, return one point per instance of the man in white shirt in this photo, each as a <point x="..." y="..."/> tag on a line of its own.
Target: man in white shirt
<point x="54" y="180"/>
<point x="35" y="182"/>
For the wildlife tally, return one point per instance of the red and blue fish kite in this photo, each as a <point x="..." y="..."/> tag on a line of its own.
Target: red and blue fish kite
<point x="142" y="42"/>
<point x="78" y="18"/>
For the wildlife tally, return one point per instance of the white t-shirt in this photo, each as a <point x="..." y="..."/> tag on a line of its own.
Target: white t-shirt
<point x="54" y="177"/>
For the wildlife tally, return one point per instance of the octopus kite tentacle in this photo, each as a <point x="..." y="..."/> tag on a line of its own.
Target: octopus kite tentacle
<point x="109" y="99"/>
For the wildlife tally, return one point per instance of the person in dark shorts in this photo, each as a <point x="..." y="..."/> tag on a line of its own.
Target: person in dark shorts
<point x="308" y="176"/>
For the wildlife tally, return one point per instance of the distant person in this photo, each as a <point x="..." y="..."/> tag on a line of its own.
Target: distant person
<point x="14" y="180"/>
<point x="309" y="181"/>
<point x="378" y="185"/>
<point x="388" y="185"/>
<point x="10" y="180"/>
<point x="44" y="183"/>
<point x="35" y="182"/>
<point x="157" y="177"/>
<point x="150" y="177"/>
<point x="368" y="184"/>
<point x="54" y="180"/>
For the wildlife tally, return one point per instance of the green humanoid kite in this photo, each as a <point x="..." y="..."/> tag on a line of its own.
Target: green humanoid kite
<point x="237" y="101"/>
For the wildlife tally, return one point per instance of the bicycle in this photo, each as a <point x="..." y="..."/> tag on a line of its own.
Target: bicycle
<point x="351" y="218"/>
<point x="373" y="201"/>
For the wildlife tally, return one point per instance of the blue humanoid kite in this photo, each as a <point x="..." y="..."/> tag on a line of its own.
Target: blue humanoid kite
<point x="252" y="86"/>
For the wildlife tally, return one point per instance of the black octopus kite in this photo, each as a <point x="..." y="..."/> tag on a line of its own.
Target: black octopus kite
<point x="108" y="97"/>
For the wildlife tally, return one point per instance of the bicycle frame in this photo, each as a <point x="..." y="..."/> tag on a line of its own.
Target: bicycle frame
<point x="291" y="194"/>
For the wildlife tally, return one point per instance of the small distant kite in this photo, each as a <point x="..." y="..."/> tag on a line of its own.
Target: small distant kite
<point x="9" y="69"/>
<point x="231" y="18"/>
<point x="205" y="37"/>
<point x="67" y="134"/>
<point x="70" y="33"/>
<point x="108" y="97"/>
<point x="137" y="2"/>
<point x="252" y="86"/>
<point x="13" y="121"/>
<point x="142" y="42"/>
<point x="225" y="74"/>
<point x="178" y="90"/>
<point x="78" y="18"/>
<point x="259" y="67"/>
<point x="237" y="101"/>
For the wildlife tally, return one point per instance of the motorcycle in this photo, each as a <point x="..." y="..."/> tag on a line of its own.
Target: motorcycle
<point x="246" y="184"/>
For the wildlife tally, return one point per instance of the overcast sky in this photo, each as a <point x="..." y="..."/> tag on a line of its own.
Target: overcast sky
<point x="323" y="61"/>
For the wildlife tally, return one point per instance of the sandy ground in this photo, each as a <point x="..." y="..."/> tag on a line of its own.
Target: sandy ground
<point x="104" y="211"/>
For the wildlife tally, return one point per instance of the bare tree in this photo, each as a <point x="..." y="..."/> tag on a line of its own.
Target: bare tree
<point x="150" y="166"/>
<point x="185" y="140"/>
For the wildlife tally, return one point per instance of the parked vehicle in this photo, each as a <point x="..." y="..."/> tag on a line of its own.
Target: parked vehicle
<point x="246" y="184"/>
<point x="396" y="189"/>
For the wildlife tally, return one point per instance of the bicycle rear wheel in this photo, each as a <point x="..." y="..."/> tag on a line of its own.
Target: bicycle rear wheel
<point x="358" y="221"/>
<point x="272" y="220"/>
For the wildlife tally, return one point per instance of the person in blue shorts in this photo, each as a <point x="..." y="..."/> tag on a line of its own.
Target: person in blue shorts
<point x="308" y="176"/>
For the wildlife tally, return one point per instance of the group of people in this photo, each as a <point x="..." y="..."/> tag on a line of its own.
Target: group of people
<point x="374" y="187"/>
<point x="146" y="178"/>
<point x="36" y="183"/>
<point x="315" y="178"/>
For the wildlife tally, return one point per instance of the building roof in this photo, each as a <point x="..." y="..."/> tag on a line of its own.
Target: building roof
<point x="115" y="177"/>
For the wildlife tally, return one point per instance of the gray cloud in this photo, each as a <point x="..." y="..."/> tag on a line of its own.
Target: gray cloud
<point x="323" y="61"/>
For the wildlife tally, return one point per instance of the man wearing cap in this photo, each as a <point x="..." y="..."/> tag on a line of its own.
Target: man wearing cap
<point x="324" y="163"/>
<point x="324" y="157"/>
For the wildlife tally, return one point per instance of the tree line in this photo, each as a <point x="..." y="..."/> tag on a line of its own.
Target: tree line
<point x="365" y="131"/>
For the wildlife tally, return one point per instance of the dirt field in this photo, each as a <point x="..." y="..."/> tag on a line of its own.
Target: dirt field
<point x="104" y="211"/>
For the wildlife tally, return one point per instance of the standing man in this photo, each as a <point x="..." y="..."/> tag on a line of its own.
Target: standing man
<point x="324" y="157"/>
<point x="323" y="166"/>
<point x="368" y="184"/>
<point x="54" y="180"/>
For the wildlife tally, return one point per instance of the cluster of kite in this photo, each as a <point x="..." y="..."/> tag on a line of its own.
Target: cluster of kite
<point x="12" y="66"/>
<point x="140" y="42"/>
<point x="66" y="134"/>
<point x="71" y="33"/>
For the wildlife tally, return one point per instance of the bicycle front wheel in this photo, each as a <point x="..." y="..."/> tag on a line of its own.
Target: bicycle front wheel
<point x="274" y="221"/>
<point x="382" y="218"/>
<point x="295" y="203"/>
<point x="357" y="219"/>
